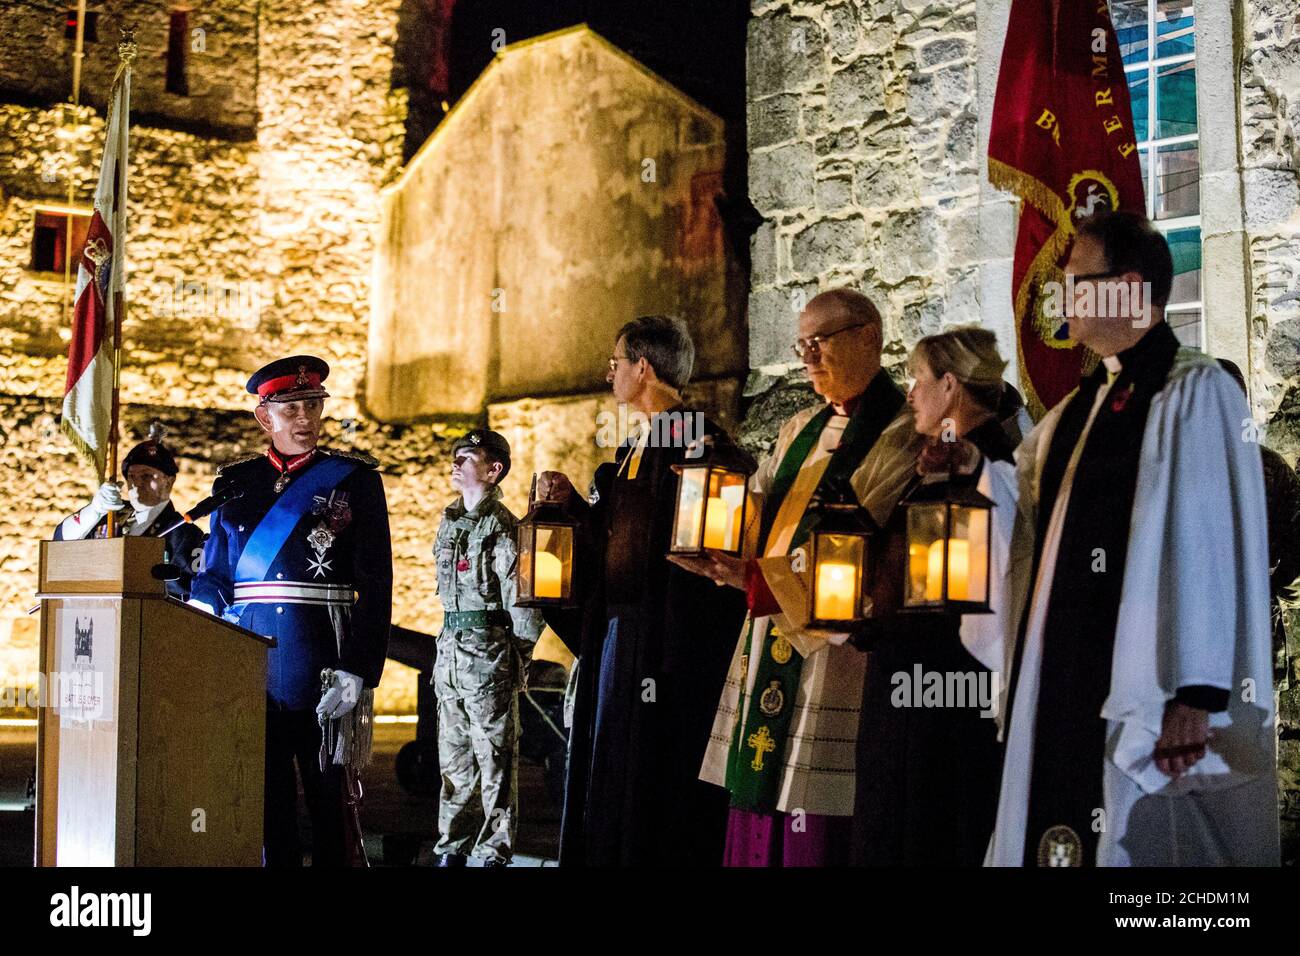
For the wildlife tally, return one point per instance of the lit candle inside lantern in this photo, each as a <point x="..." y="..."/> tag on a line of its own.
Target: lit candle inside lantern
<point x="918" y="571"/>
<point x="733" y="496"/>
<point x="958" y="571"/>
<point x="979" y="555"/>
<point x="547" y="575"/>
<point x="715" y="524"/>
<point x="835" y="580"/>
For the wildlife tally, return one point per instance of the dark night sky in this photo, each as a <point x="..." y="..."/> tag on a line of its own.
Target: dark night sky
<point x="698" y="45"/>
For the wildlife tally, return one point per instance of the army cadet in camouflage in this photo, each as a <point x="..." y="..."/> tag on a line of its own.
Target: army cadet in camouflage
<point x="483" y="652"/>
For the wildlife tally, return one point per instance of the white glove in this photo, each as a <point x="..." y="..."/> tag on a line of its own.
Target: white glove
<point x="342" y="696"/>
<point x="107" y="498"/>
<point x="202" y="606"/>
<point x="80" y="525"/>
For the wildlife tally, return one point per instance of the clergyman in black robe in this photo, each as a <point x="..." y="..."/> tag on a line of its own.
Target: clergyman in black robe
<point x="652" y="641"/>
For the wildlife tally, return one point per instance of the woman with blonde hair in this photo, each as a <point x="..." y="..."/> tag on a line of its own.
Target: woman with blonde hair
<point x="927" y="776"/>
<point x="957" y="389"/>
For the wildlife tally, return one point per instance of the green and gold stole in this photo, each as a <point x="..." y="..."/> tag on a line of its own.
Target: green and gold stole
<point x="757" y="752"/>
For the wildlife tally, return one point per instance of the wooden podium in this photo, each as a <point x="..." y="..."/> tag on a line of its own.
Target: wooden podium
<point x="152" y="728"/>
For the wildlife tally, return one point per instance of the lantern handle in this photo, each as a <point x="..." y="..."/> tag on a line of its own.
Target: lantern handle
<point x="836" y="490"/>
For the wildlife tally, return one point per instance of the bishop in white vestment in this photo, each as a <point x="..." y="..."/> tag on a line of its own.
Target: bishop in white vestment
<point x="784" y="737"/>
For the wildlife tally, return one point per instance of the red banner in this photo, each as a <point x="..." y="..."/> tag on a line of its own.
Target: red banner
<point x="1062" y="139"/>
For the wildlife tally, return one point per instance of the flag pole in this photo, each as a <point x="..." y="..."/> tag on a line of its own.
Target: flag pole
<point x="78" y="54"/>
<point x="126" y="53"/>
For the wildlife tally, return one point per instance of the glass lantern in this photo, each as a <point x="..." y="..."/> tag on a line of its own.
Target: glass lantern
<point x="545" y="555"/>
<point x="837" y="558"/>
<point x="948" y="539"/>
<point x="711" y="503"/>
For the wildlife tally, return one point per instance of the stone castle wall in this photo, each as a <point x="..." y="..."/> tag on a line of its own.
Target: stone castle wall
<point x="569" y="190"/>
<point x="220" y="51"/>
<point x="1269" y="111"/>
<point x="241" y="247"/>
<point x="863" y="163"/>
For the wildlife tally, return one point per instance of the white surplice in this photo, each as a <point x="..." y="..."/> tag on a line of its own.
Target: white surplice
<point x="1194" y="610"/>
<point x="818" y="763"/>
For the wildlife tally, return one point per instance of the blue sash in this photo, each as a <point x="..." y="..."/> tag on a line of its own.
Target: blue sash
<point x="268" y="538"/>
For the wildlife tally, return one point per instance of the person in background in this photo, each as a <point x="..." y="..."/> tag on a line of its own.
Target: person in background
<point x="1140" y="726"/>
<point x="150" y="470"/>
<point x="1282" y="495"/>
<point x="303" y="555"/>
<point x="785" y="730"/>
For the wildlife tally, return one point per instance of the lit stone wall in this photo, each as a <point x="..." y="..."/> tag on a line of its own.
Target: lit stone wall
<point x="242" y="246"/>
<point x="221" y="53"/>
<point x="568" y="191"/>
<point x="1270" y="158"/>
<point x="863" y="163"/>
<point x="259" y="242"/>
<point x="1269" y="114"/>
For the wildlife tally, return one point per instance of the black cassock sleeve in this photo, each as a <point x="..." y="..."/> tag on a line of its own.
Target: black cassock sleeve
<point x="366" y="644"/>
<point x="569" y="624"/>
<point x="702" y="620"/>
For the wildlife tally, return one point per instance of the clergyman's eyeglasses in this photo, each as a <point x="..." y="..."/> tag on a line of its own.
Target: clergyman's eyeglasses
<point x="813" y="344"/>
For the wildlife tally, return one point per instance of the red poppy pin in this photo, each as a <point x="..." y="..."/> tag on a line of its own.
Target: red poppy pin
<point x="1121" y="398"/>
<point x="462" y="564"/>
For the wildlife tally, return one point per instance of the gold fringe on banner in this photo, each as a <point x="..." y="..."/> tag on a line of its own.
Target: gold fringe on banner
<point x="1028" y="188"/>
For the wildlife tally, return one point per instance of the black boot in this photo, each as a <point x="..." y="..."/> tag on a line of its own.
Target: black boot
<point x="451" y="860"/>
<point x="495" y="861"/>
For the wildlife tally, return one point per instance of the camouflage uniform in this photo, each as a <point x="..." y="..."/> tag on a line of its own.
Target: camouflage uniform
<point x="485" y="645"/>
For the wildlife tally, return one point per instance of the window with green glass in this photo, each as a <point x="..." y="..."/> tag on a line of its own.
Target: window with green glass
<point x="1158" y="44"/>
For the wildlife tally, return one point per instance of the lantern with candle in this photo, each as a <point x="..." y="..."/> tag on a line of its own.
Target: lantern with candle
<point x="711" y="501"/>
<point x="837" y="557"/>
<point x="545" y="555"/>
<point x="948" y="538"/>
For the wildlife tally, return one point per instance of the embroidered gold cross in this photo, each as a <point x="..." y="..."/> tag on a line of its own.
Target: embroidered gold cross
<point x="762" y="743"/>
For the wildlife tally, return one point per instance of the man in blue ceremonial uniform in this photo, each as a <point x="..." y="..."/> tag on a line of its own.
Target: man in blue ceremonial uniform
<point x="303" y="556"/>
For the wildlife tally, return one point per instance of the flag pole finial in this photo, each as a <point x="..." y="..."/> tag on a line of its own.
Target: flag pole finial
<point x="127" y="48"/>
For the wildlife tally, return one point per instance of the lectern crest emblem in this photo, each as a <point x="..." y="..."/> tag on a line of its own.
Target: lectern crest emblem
<point x="83" y="643"/>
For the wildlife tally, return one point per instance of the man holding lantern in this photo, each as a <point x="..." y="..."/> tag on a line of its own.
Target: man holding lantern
<point x="785" y="728"/>
<point x="651" y="640"/>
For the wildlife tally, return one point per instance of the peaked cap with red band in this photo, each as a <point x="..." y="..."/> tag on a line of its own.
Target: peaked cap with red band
<point x="290" y="379"/>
